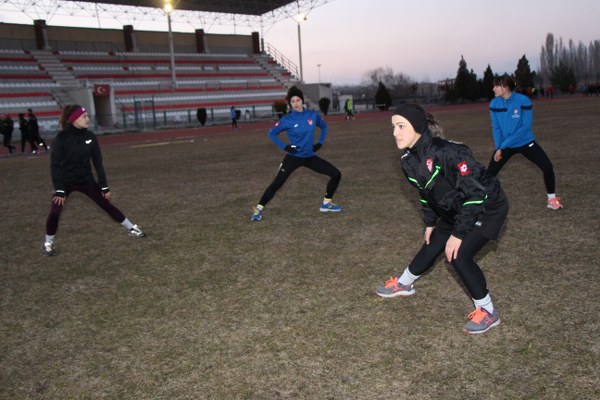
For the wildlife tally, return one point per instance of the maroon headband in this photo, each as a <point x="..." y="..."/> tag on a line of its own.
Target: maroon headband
<point x="76" y="114"/>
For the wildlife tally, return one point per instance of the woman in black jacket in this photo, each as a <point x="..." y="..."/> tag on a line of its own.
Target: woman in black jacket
<point x="463" y="208"/>
<point x="72" y="152"/>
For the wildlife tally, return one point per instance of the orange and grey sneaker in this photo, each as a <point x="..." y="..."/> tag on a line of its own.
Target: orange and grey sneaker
<point x="394" y="288"/>
<point x="554" y="203"/>
<point x="481" y="321"/>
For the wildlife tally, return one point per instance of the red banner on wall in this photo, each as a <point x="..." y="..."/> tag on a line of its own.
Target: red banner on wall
<point x="101" y="90"/>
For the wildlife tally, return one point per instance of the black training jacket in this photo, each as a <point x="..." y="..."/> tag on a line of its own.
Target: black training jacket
<point x="72" y="151"/>
<point x="452" y="185"/>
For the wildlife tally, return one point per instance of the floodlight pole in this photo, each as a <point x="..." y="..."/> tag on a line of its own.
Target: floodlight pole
<point x="319" y="66"/>
<point x="168" y="9"/>
<point x="300" y="51"/>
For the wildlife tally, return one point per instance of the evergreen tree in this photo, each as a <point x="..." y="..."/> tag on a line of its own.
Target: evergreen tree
<point x="383" y="98"/>
<point x="487" y="85"/>
<point x="465" y="84"/>
<point x="523" y="74"/>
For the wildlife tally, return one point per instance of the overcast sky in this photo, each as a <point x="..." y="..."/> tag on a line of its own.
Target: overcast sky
<point x="423" y="39"/>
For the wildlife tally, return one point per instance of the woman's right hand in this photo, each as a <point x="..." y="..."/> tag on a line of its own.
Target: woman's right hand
<point x="59" y="201"/>
<point x="428" y="231"/>
<point x="498" y="155"/>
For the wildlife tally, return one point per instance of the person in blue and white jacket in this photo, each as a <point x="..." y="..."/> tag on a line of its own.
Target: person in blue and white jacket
<point x="512" y="120"/>
<point x="300" y="126"/>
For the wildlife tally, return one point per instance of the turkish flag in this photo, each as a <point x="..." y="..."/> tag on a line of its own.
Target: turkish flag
<point x="101" y="90"/>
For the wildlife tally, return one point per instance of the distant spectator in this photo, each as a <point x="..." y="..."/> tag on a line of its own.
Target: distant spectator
<point x="348" y="107"/>
<point x="34" y="129"/>
<point x="6" y="129"/>
<point x="26" y="134"/>
<point x="233" y="114"/>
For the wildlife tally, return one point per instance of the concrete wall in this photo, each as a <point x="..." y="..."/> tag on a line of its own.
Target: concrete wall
<point x="22" y="37"/>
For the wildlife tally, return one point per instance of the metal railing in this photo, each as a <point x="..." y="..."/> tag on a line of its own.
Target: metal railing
<point x="282" y="60"/>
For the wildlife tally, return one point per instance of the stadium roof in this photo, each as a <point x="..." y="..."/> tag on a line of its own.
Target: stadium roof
<point x="244" y="7"/>
<point x="205" y="14"/>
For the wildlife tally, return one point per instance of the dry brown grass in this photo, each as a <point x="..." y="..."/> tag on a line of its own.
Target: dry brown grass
<point x="211" y="306"/>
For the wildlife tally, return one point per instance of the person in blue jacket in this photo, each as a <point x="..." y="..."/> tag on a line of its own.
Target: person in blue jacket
<point x="512" y="120"/>
<point x="300" y="125"/>
<point x="233" y="115"/>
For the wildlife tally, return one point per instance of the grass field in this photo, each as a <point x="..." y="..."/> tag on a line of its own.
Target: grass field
<point x="212" y="306"/>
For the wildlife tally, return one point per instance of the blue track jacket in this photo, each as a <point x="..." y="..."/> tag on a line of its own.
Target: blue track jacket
<point x="512" y="120"/>
<point x="300" y="129"/>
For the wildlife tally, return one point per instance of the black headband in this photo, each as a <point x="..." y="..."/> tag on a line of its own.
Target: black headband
<point x="416" y="117"/>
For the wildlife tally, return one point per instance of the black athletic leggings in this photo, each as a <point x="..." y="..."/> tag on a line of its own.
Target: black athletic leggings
<point x="534" y="153"/>
<point x="464" y="264"/>
<point x="91" y="190"/>
<point x="291" y="163"/>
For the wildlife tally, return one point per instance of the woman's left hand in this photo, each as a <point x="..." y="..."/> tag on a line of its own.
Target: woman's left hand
<point x="106" y="195"/>
<point x="452" y="246"/>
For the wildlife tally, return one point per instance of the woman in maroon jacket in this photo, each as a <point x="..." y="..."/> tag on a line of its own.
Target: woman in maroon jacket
<point x="74" y="148"/>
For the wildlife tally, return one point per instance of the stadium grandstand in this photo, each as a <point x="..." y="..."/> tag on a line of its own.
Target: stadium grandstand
<point x="135" y="79"/>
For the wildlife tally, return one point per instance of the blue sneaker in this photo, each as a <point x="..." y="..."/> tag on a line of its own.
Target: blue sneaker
<point x="330" y="207"/>
<point x="256" y="215"/>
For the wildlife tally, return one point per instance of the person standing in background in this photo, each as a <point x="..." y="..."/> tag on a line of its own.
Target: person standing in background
<point x="34" y="130"/>
<point x="512" y="120"/>
<point x="6" y="129"/>
<point x="26" y="134"/>
<point x="233" y="114"/>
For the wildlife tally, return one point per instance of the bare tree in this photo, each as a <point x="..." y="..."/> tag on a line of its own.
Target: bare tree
<point x="583" y="61"/>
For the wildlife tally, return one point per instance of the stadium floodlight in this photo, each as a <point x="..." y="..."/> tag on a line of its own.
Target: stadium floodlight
<point x="299" y="19"/>
<point x="168" y="9"/>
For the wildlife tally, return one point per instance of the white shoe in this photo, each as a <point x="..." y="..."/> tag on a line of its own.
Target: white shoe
<point x="48" y="249"/>
<point x="136" y="231"/>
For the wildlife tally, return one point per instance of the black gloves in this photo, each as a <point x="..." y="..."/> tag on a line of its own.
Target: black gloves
<point x="316" y="147"/>
<point x="290" y="148"/>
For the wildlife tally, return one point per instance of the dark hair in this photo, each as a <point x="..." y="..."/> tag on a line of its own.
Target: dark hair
<point x="505" y="81"/>
<point x="66" y="112"/>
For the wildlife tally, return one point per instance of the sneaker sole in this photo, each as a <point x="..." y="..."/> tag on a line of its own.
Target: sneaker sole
<point x="328" y="210"/>
<point x="552" y="208"/>
<point x="402" y="293"/>
<point x="482" y="331"/>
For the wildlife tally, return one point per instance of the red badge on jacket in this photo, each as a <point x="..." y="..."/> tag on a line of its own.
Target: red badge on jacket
<point x="463" y="168"/>
<point x="429" y="164"/>
<point x="310" y="121"/>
